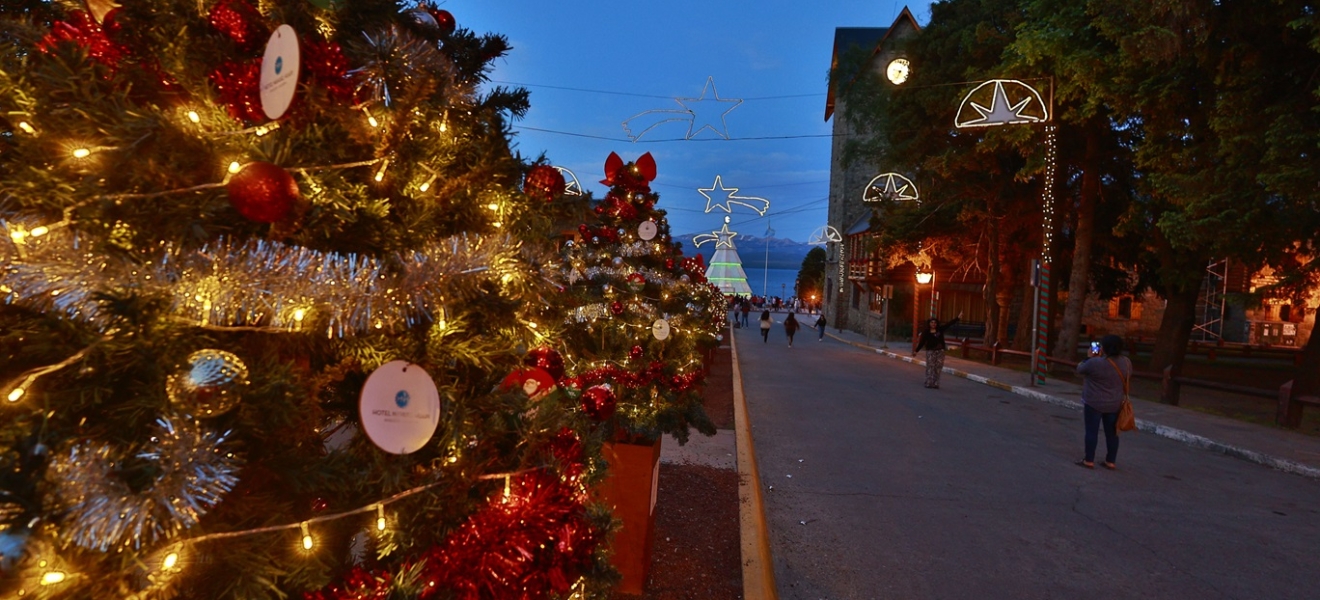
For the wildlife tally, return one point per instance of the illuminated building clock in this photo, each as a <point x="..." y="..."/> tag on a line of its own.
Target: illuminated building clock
<point x="898" y="71"/>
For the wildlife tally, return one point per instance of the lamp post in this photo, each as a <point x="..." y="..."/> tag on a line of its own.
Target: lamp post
<point x="922" y="278"/>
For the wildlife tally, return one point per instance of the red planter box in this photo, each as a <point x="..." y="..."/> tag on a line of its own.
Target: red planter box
<point x="630" y="489"/>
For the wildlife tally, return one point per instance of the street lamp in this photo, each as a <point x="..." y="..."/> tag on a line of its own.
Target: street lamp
<point x="923" y="278"/>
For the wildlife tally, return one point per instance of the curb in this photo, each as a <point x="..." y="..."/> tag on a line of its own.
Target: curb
<point x="1177" y="435"/>
<point x="758" y="573"/>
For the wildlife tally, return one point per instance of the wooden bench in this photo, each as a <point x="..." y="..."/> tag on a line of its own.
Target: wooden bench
<point x="1290" y="406"/>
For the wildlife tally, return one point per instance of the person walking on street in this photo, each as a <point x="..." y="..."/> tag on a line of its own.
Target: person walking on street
<point x="932" y="340"/>
<point x="765" y="326"/>
<point x="790" y="327"/>
<point x="746" y="308"/>
<point x="1105" y="374"/>
<point x="820" y="328"/>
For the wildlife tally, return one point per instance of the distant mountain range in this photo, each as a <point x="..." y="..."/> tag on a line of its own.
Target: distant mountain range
<point x="783" y="254"/>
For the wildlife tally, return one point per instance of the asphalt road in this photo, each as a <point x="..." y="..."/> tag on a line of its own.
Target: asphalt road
<point x="876" y="487"/>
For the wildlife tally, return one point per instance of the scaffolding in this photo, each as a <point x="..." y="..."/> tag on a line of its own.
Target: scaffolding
<point x="1212" y="302"/>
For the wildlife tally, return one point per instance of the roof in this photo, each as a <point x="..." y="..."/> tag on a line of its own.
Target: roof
<point x="861" y="225"/>
<point x="872" y="38"/>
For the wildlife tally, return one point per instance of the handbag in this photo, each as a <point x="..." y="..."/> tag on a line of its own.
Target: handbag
<point x="1126" y="420"/>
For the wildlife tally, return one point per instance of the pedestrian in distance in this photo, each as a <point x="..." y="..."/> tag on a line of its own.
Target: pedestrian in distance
<point x="746" y="308"/>
<point x="790" y="327"/>
<point x="932" y="341"/>
<point x="820" y="328"/>
<point x="1105" y="374"/>
<point x="765" y="326"/>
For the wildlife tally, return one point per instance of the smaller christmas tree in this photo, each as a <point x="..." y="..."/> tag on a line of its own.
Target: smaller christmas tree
<point x="641" y="318"/>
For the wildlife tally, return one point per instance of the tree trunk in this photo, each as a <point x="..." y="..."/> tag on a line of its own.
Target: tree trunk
<point x="1175" y="327"/>
<point x="1022" y="340"/>
<point x="993" y="284"/>
<point x="1084" y="235"/>
<point x="1306" y="377"/>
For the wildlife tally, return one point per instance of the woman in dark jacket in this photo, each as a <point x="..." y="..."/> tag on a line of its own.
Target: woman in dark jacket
<point x="790" y="328"/>
<point x="932" y="340"/>
<point x="1104" y="381"/>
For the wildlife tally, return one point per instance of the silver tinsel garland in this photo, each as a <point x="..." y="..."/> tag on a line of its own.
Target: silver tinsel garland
<point x="254" y="283"/>
<point x="194" y="472"/>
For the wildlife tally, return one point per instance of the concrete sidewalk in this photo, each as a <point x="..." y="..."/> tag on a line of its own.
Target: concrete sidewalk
<point x="1269" y="446"/>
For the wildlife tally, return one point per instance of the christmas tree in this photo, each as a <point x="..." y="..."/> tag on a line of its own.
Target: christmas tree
<point x="643" y="318"/>
<point x="267" y="276"/>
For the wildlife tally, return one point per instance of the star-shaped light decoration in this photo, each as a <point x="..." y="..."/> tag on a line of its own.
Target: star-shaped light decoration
<point x="1010" y="102"/>
<point x="722" y="238"/>
<point x="571" y="185"/>
<point x="825" y="235"/>
<point x="699" y="113"/>
<point x="891" y="187"/>
<point x="703" y="110"/>
<point x="760" y="205"/>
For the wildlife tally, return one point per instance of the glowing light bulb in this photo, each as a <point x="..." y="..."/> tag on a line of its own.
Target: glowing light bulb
<point x="380" y="517"/>
<point x="298" y="314"/>
<point x="170" y="561"/>
<point x="192" y="116"/>
<point x="16" y="394"/>
<point x="81" y="153"/>
<point x="307" y="542"/>
<point x="493" y="206"/>
<point x="26" y="128"/>
<point x="372" y="121"/>
<point x="380" y="173"/>
<point x="426" y="186"/>
<point x="39" y="231"/>
<point x="53" y="577"/>
<point x="234" y="167"/>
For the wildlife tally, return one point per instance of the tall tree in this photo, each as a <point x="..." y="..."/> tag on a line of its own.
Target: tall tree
<point x="811" y="275"/>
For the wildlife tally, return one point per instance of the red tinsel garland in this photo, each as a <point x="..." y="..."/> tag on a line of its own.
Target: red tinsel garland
<point x="535" y="542"/>
<point x="240" y="22"/>
<point x="329" y="67"/>
<point x="237" y="84"/>
<point x="83" y="30"/>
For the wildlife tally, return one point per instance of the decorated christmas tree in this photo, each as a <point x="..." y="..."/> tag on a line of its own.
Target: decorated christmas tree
<point x="642" y="317"/>
<point x="268" y="278"/>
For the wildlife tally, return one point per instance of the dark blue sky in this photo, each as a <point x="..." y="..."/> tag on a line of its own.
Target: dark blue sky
<point x="619" y="59"/>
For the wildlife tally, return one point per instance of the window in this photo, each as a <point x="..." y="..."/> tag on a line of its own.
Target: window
<point x="1125" y="308"/>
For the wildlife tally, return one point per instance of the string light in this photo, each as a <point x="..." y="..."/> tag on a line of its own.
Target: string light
<point x="81" y="152"/>
<point x="1047" y="197"/>
<point x="380" y="173"/>
<point x="306" y="537"/>
<point x="234" y="167"/>
<point x="171" y="560"/>
<point x="371" y="120"/>
<point x="192" y="116"/>
<point x="380" y="517"/>
<point x="26" y="128"/>
<point x="427" y="184"/>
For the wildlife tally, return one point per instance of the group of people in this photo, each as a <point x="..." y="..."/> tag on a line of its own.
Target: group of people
<point x="1105" y="376"/>
<point x="791" y="326"/>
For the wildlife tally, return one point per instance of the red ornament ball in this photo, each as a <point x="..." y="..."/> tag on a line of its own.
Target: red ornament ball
<point x="616" y="307"/>
<point x="263" y="192"/>
<point x="320" y="504"/>
<point x="544" y="183"/>
<point x="598" y="401"/>
<point x="547" y="359"/>
<point x="636" y="281"/>
<point x="636" y="353"/>
<point x="444" y="19"/>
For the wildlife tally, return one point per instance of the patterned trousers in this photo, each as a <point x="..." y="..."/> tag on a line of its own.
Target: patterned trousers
<point x="934" y="365"/>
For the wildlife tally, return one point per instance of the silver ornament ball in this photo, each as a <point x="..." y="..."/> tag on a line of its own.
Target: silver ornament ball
<point x="209" y="385"/>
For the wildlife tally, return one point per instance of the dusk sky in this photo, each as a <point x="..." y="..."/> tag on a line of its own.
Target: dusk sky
<point x="620" y="59"/>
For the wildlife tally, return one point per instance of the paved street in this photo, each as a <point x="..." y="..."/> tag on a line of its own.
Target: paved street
<point x="879" y="488"/>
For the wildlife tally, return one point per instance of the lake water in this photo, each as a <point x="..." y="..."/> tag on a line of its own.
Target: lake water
<point x="771" y="282"/>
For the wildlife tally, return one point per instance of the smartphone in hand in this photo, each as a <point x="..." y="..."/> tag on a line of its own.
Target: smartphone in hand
<point x="1095" y="348"/>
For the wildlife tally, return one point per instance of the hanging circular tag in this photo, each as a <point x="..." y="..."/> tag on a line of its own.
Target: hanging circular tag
<point x="279" y="72"/>
<point x="647" y="230"/>
<point x="400" y="407"/>
<point x="660" y="329"/>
